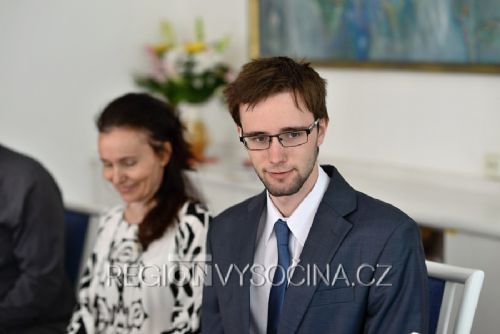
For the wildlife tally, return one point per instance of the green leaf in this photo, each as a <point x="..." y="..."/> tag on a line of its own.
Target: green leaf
<point x="167" y="32"/>
<point x="221" y="45"/>
<point x="199" y="28"/>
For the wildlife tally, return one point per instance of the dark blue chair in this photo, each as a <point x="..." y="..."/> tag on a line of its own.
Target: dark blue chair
<point x="436" y="291"/>
<point x="77" y="224"/>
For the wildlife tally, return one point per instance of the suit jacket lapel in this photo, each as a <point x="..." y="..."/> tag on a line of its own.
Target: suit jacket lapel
<point x="246" y="250"/>
<point x="328" y="230"/>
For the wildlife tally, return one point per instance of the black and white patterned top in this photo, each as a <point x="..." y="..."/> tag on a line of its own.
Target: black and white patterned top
<point x="125" y="290"/>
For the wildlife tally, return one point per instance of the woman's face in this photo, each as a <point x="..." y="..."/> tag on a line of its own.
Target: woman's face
<point x="130" y="163"/>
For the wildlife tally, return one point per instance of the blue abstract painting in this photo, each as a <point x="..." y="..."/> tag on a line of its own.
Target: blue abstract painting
<point x="382" y="31"/>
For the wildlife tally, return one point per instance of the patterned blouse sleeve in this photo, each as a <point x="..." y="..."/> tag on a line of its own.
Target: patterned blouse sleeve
<point x="187" y="289"/>
<point x="82" y="320"/>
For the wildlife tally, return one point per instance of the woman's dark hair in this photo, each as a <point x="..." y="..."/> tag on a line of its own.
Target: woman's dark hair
<point x="158" y="119"/>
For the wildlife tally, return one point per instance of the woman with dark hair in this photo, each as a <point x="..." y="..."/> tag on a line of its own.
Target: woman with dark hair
<point x="144" y="275"/>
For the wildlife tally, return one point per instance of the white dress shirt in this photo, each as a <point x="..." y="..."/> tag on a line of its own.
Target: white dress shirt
<point x="266" y="251"/>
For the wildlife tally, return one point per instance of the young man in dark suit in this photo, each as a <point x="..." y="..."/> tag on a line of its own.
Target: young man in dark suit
<point x="309" y="254"/>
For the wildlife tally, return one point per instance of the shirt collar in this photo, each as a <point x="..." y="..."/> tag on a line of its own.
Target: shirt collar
<point x="301" y="220"/>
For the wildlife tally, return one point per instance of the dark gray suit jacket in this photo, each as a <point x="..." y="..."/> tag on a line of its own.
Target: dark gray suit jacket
<point x="35" y="294"/>
<point x="369" y="253"/>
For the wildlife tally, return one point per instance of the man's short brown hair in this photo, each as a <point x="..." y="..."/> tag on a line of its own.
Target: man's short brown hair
<point x="265" y="77"/>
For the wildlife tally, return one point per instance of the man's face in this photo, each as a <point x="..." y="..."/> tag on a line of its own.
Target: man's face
<point x="283" y="170"/>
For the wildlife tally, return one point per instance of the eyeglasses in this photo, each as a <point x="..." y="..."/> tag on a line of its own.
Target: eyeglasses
<point x="289" y="138"/>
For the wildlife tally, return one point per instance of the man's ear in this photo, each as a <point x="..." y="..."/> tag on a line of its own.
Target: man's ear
<point x="239" y="130"/>
<point x="322" y="126"/>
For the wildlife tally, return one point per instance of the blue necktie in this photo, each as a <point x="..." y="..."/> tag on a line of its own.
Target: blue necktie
<point x="280" y="281"/>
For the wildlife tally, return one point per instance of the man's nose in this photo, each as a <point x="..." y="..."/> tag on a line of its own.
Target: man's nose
<point x="276" y="151"/>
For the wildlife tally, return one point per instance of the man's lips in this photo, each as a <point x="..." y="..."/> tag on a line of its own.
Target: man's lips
<point x="279" y="175"/>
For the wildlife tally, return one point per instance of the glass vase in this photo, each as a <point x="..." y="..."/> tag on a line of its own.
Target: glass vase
<point x="196" y="130"/>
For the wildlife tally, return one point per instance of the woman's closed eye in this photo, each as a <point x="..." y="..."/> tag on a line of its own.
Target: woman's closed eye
<point x="107" y="164"/>
<point x="129" y="162"/>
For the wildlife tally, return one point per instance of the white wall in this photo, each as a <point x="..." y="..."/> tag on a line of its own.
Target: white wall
<point x="441" y="121"/>
<point x="61" y="61"/>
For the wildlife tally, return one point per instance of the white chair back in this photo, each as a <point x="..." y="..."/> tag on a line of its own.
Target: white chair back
<point x="472" y="281"/>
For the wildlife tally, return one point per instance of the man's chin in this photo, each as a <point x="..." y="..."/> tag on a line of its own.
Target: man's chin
<point x="279" y="188"/>
<point x="280" y="191"/>
<point x="279" y="194"/>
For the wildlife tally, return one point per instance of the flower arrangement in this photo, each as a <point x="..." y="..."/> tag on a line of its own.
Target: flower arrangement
<point x="186" y="72"/>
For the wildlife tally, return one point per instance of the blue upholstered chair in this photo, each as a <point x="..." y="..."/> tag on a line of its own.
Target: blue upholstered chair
<point x="444" y="300"/>
<point x="77" y="227"/>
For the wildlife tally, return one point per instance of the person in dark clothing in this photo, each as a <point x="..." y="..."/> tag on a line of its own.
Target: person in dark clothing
<point x="308" y="221"/>
<point x="35" y="294"/>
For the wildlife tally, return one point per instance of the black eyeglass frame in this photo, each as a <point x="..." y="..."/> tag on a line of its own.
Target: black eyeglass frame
<point x="308" y="131"/>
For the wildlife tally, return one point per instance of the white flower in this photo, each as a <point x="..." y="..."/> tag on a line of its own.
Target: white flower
<point x="205" y="60"/>
<point x="173" y="61"/>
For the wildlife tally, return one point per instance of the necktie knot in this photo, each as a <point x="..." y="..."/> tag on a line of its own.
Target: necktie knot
<point x="282" y="232"/>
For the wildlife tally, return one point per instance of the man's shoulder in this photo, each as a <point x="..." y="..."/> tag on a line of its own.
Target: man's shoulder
<point x="359" y="208"/>
<point x="379" y="207"/>
<point x="379" y="216"/>
<point x="237" y="209"/>
<point x="21" y="167"/>
<point x="230" y="216"/>
<point x="23" y="176"/>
